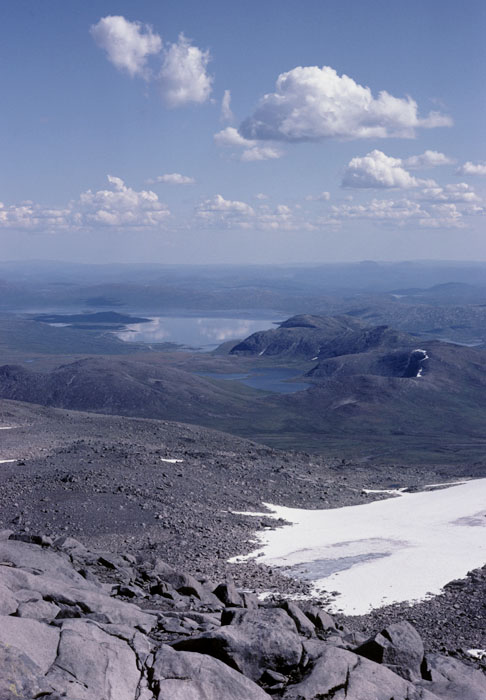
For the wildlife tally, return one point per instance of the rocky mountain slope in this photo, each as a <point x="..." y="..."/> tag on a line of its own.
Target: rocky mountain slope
<point x="298" y="338"/>
<point x="81" y="625"/>
<point x="124" y="387"/>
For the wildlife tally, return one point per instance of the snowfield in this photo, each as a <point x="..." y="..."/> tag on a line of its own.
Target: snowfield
<point x="394" y="550"/>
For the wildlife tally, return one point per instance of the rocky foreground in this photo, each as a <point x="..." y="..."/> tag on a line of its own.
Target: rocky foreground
<point x="86" y="625"/>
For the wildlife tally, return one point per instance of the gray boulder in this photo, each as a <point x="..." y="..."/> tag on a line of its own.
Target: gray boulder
<point x="342" y="675"/>
<point x="179" y="675"/>
<point x="453" y="680"/>
<point x="20" y="677"/>
<point x="256" y="640"/>
<point x="37" y="641"/>
<point x="8" y="602"/>
<point x="93" y="664"/>
<point x="302" y="622"/>
<point x="399" y="647"/>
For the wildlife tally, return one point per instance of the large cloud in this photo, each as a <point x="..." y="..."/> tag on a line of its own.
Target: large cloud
<point x="472" y="169"/>
<point x="377" y="170"/>
<point x="312" y="103"/>
<point x="127" y="43"/>
<point x="246" y="149"/>
<point x="183" y="77"/>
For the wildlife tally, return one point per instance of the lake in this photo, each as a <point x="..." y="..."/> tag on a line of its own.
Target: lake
<point x="267" y="379"/>
<point x="196" y="332"/>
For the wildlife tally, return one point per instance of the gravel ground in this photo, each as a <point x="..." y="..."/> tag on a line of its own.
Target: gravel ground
<point x="104" y="480"/>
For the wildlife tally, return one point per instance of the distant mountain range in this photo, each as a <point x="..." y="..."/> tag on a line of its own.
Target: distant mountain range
<point x="374" y="391"/>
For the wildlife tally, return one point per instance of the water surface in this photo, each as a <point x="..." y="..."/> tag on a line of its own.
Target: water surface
<point x="201" y="332"/>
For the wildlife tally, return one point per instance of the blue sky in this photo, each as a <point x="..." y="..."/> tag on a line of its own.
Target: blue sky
<point x="274" y="131"/>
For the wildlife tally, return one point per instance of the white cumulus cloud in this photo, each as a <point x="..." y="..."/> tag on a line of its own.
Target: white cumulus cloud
<point x="127" y="44"/>
<point x="428" y="159"/>
<point x="455" y="193"/>
<point x="251" y="149"/>
<point x="183" y="77"/>
<point x="312" y="103"/>
<point x="172" y="179"/>
<point x="472" y="169"/>
<point x="376" y="169"/>
<point x="225" y="211"/>
<point x="119" y="206"/>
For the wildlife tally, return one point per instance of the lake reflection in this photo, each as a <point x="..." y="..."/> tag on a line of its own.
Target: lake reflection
<point x="204" y="333"/>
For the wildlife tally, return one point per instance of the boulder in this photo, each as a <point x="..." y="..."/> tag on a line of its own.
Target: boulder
<point x="342" y="675"/>
<point x="180" y="675"/>
<point x="399" y="647"/>
<point x="227" y="594"/>
<point x="38" y="560"/>
<point x="320" y="618"/>
<point x="256" y="640"/>
<point x="93" y="664"/>
<point x="20" y="677"/>
<point x="37" y="641"/>
<point x="303" y="623"/>
<point x="453" y="680"/>
<point x="8" y="602"/>
<point x="39" y="610"/>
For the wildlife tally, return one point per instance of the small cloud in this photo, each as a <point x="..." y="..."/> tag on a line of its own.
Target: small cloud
<point x="472" y="169"/>
<point x="428" y="159"/>
<point x="322" y="197"/>
<point x="376" y="169"/>
<point x="172" y="179"/>
<point x="221" y="209"/>
<point x="127" y="44"/>
<point x="261" y="196"/>
<point x="226" y="113"/>
<point x="183" y="77"/>
<point x="455" y="193"/>
<point x="252" y="151"/>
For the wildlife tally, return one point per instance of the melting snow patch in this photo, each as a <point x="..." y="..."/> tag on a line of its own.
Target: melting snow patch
<point x="425" y="357"/>
<point x="477" y="653"/>
<point x="170" y="460"/>
<point x="392" y="492"/>
<point x="388" y="551"/>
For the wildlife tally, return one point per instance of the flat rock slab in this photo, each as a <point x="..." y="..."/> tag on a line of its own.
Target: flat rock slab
<point x="37" y="641"/>
<point x="94" y="664"/>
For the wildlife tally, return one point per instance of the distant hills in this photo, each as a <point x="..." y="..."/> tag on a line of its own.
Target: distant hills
<point x="375" y="392"/>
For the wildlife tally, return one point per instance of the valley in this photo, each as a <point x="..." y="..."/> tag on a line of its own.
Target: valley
<point x="174" y="448"/>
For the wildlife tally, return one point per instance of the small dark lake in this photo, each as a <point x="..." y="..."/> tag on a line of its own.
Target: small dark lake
<point x="267" y="379"/>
